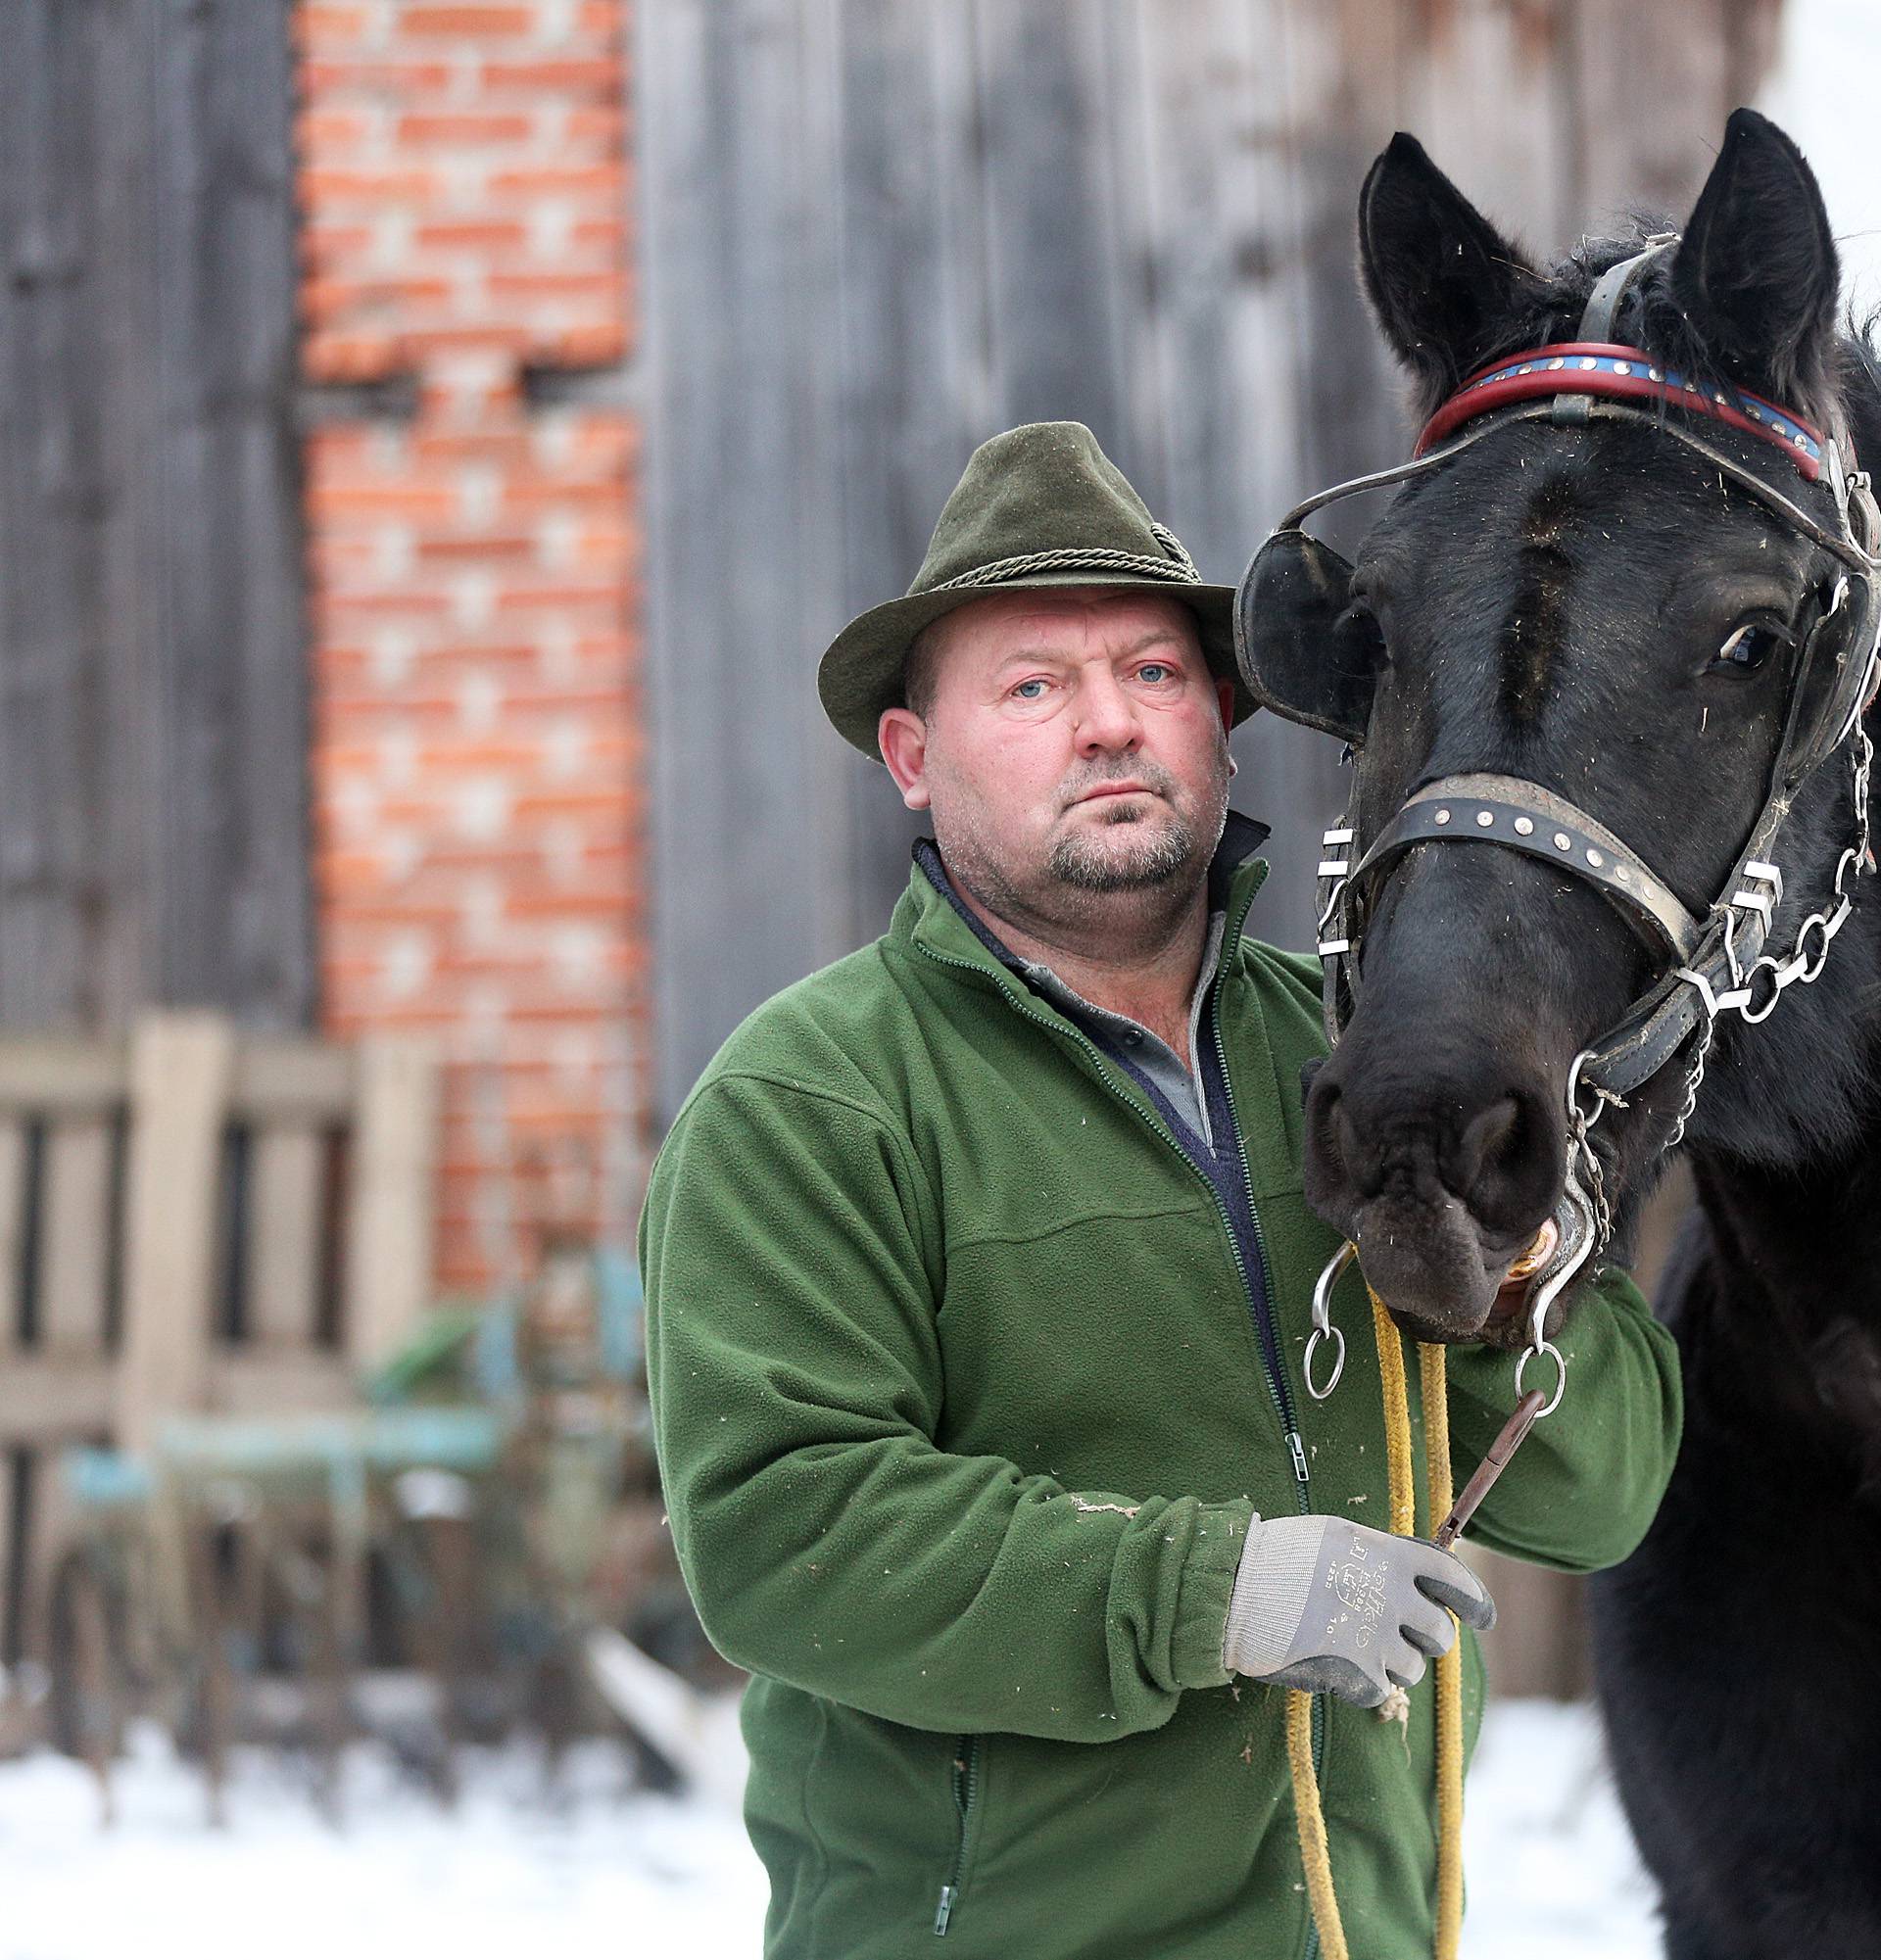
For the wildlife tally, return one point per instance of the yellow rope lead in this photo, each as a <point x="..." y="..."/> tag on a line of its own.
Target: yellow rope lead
<point x="1397" y="1419"/>
<point x="1314" y="1853"/>
<point x="1436" y="1447"/>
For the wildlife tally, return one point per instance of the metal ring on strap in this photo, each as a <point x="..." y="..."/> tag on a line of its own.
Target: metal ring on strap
<point x="1313" y="1341"/>
<point x="1553" y="1403"/>
<point x="1322" y="1327"/>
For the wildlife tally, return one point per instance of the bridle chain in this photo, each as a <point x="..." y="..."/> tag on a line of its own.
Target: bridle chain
<point x="1803" y="962"/>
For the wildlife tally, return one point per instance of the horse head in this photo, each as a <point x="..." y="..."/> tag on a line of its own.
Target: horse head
<point x="1608" y="611"/>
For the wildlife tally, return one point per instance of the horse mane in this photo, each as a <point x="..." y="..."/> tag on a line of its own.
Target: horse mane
<point x="1860" y="386"/>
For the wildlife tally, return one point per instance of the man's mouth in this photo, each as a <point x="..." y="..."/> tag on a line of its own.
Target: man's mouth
<point x="1116" y="790"/>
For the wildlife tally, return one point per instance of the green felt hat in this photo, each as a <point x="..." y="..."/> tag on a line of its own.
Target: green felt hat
<point x="1038" y="507"/>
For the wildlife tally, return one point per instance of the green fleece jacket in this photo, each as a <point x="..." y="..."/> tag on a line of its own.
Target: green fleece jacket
<point x="962" y="1417"/>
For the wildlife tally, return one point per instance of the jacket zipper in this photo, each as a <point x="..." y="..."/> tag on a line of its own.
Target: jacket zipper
<point x="1261" y="1314"/>
<point x="1267" y="1332"/>
<point x="966" y="1787"/>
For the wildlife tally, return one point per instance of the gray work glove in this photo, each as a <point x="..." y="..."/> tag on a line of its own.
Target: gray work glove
<point x="1336" y="1607"/>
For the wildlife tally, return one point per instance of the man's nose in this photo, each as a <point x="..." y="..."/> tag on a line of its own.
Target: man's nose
<point x="1107" y="717"/>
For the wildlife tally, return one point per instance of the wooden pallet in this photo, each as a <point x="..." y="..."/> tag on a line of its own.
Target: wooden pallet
<point x="193" y="1220"/>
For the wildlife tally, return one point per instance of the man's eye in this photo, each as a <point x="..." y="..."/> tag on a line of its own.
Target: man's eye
<point x="1020" y="689"/>
<point x="1154" y="671"/>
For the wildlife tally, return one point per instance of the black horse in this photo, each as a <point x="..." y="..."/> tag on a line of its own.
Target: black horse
<point x="1593" y="608"/>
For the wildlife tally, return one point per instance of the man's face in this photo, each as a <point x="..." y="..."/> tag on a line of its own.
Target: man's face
<point x="1074" y="751"/>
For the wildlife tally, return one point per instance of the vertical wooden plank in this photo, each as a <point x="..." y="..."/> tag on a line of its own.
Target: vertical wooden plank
<point x="748" y="845"/>
<point x="914" y="358"/>
<point x="1652" y="86"/>
<point x="1051" y="240"/>
<point x="180" y="1066"/>
<point x="46" y="1523"/>
<point x="1199" y="110"/>
<point x="77" y="1236"/>
<point x="135" y="750"/>
<point x="12" y="1554"/>
<point x="1486" y="83"/>
<point x="13" y="1198"/>
<point x="391" y="1207"/>
<point x="235" y="923"/>
<point x="282" y="1242"/>
<point x="50" y="495"/>
<point x="153" y="725"/>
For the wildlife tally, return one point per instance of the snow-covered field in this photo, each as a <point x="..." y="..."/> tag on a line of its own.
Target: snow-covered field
<point x="612" y="1870"/>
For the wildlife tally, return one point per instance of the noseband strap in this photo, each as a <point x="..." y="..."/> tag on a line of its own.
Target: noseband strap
<point x="1523" y="816"/>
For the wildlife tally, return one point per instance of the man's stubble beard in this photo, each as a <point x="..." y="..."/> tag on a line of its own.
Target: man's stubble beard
<point x="1085" y="881"/>
<point x="1087" y="859"/>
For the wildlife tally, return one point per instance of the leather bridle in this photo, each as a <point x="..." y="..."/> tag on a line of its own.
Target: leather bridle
<point x="1707" y="963"/>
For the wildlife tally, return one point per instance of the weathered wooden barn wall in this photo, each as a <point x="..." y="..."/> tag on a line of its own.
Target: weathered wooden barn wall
<point x="153" y="730"/>
<point x="875" y="231"/>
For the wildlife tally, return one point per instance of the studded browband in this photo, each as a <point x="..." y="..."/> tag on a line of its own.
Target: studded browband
<point x="1579" y="367"/>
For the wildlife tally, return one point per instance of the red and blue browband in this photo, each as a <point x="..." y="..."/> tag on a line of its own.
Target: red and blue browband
<point x="1622" y="374"/>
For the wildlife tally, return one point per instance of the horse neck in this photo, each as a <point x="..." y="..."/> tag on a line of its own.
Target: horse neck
<point x="1783" y="1337"/>
<point x="1788" y="1169"/>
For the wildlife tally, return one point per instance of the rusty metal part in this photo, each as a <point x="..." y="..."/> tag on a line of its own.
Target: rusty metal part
<point x="1508" y="1441"/>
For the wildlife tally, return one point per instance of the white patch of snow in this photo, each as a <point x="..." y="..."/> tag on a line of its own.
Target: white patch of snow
<point x="613" y="1870"/>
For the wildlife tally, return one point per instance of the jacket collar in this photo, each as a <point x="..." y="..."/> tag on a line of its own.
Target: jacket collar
<point x="932" y="914"/>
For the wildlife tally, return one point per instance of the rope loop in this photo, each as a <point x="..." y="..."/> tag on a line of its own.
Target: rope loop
<point x="1315" y="1858"/>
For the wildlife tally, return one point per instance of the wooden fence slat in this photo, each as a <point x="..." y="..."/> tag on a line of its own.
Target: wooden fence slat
<point x="296" y="1082"/>
<point x="54" y="1398"/>
<point x="48" y="1528"/>
<point x="11" y="1558"/>
<point x="77" y="1228"/>
<point x="181" y="1071"/>
<point x="50" y="1076"/>
<point x="249" y="1381"/>
<point x="13" y="1198"/>
<point x="283" y="1237"/>
<point x="390" y="1196"/>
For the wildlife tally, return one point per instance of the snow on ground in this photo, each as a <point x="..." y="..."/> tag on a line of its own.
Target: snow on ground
<point x="613" y="1870"/>
<point x="1548" y="1863"/>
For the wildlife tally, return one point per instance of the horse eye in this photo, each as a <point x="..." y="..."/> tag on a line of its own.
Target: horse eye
<point x="1358" y="628"/>
<point x="1748" y="647"/>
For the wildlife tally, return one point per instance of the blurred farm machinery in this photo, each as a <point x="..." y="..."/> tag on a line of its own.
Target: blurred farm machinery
<point x="476" y="1551"/>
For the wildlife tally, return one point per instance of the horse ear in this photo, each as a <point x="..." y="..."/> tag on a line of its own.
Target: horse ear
<point x="1441" y="278"/>
<point x="1757" y="274"/>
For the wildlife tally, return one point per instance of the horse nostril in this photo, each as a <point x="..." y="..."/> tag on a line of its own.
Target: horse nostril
<point x="1491" y="1139"/>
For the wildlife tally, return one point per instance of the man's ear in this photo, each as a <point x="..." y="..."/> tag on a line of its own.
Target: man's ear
<point x="902" y="737"/>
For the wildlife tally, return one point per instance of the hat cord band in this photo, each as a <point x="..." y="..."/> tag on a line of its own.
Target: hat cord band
<point x="1179" y="567"/>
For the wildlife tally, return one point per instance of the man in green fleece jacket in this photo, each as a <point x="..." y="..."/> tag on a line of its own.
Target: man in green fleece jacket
<point x="977" y="1273"/>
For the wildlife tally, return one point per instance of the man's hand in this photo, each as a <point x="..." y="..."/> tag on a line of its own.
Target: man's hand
<point x="1329" y="1606"/>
